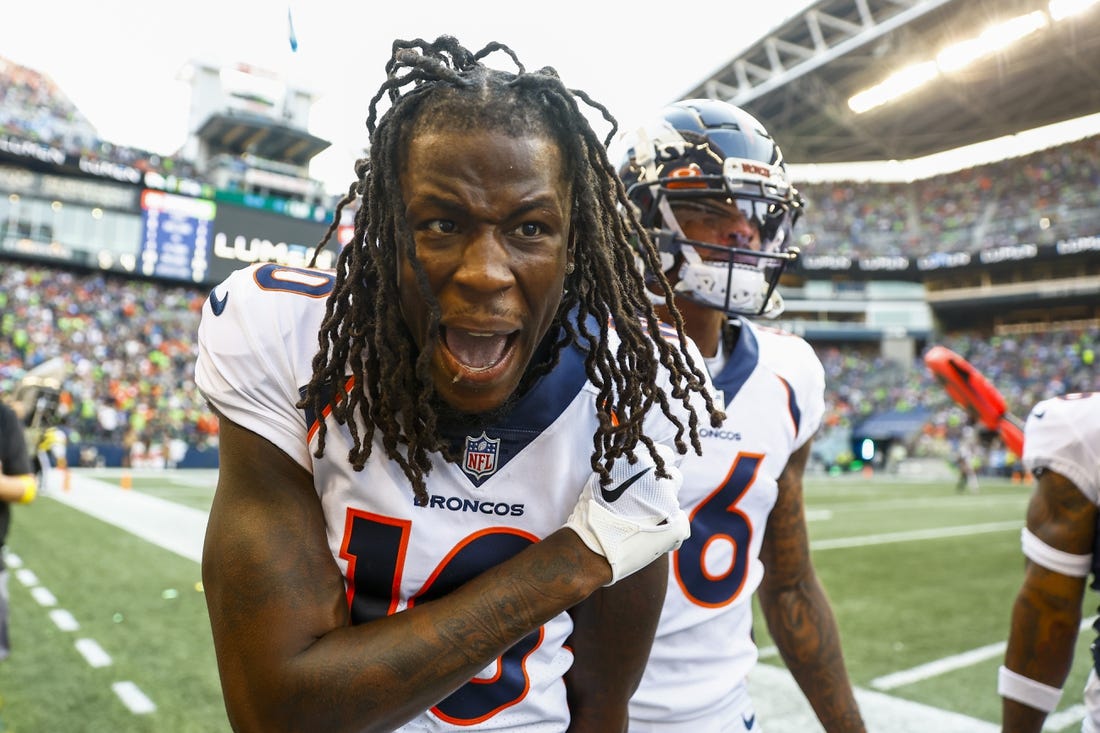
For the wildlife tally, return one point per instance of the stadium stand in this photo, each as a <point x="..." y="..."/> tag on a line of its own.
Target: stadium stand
<point x="1041" y="198"/>
<point x="997" y="252"/>
<point x="129" y="348"/>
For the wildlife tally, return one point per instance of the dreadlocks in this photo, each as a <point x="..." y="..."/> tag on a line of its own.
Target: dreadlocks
<point x="443" y="85"/>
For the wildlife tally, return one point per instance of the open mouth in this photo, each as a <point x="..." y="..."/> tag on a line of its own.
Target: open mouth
<point x="476" y="352"/>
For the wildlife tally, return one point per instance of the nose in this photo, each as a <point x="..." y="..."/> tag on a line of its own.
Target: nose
<point x="486" y="262"/>
<point x="743" y="234"/>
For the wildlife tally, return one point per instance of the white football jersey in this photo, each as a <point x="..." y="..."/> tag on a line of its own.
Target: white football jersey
<point x="517" y="482"/>
<point x="1063" y="434"/>
<point x="773" y="389"/>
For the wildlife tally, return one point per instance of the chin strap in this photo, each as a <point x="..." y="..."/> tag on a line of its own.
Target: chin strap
<point x="775" y="306"/>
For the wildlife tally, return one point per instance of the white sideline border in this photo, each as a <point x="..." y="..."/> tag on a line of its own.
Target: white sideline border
<point x="782" y="708"/>
<point x="177" y="528"/>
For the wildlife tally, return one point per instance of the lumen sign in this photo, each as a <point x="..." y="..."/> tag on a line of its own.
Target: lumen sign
<point x="243" y="236"/>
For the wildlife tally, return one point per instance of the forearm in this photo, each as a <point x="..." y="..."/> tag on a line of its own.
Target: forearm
<point x="1046" y="614"/>
<point x="1040" y="647"/>
<point x="611" y="641"/>
<point x="804" y="629"/>
<point x="20" y="488"/>
<point x="378" y="675"/>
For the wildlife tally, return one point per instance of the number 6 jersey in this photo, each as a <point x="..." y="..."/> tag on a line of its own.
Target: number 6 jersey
<point x="517" y="482"/>
<point x="773" y="391"/>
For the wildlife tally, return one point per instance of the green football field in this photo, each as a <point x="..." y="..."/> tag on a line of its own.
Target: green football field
<point x="110" y="633"/>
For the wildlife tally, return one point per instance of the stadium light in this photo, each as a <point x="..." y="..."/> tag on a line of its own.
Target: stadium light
<point x="992" y="39"/>
<point x="897" y="84"/>
<point x="960" y="55"/>
<point x="1062" y="9"/>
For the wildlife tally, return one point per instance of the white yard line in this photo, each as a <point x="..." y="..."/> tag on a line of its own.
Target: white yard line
<point x="1071" y="717"/>
<point x="43" y="595"/>
<point x="93" y="653"/>
<point x="970" y="501"/>
<point x="782" y="708"/>
<point x="26" y="576"/>
<point x="949" y="664"/>
<point x="916" y="534"/>
<point x="64" y="620"/>
<point x="938" y="667"/>
<point x="133" y="698"/>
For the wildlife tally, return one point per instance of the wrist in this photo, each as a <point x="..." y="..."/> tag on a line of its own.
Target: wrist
<point x="590" y="557"/>
<point x="30" y="489"/>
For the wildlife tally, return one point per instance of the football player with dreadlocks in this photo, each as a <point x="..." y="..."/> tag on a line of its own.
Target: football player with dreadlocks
<point x="711" y="188"/>
<point x="448" y="470"/>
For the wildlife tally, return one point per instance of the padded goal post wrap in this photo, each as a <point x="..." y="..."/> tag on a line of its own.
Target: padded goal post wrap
<point x="969" y="388"/>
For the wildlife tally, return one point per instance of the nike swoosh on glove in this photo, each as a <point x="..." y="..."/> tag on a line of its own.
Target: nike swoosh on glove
<point x="636" y="518"/>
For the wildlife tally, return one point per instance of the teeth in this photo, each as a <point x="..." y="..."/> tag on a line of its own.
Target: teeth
<point x="477" y="351"/>
<point x="475" y="370"/>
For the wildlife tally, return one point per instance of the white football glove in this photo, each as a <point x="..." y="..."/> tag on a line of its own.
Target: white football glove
<point x="634" y="519"/>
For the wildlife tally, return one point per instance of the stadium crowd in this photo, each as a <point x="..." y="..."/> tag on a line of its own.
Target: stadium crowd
<point x="33" y="109"/>
<point x="129" y="347"/>
<point x="1026" y="368"/>
<point x="129" y="351"/>
<point x="1041" y="198"/>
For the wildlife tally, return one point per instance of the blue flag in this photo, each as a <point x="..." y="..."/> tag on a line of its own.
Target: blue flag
<point x="290" y="30"/>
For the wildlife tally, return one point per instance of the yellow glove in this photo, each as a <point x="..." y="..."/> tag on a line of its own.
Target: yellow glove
<point x="30" y="490"/>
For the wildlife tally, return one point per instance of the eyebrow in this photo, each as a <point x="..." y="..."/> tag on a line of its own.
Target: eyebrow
<point x="545" y="202"/>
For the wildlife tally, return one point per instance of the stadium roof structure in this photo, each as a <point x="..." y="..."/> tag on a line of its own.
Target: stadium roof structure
<point x="238" y="133"/>
<point x="798" y="78"/>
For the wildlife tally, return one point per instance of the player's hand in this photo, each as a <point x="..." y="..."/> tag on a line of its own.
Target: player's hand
<point x="635" y="518"/>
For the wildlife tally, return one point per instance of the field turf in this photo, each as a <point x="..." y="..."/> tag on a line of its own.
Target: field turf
<point x="110" y="632"/>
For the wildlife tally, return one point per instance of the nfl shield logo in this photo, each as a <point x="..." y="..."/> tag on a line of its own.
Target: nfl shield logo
<point x="480" y="459"/>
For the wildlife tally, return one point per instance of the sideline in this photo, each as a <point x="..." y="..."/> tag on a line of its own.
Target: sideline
<point x="177" y="528"/>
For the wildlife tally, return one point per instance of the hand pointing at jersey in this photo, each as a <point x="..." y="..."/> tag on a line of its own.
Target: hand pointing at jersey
<point x="636" y="518"/>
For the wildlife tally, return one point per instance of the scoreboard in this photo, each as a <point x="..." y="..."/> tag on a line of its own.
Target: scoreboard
<point x="175" y="236"/>
<point x="154" y="228"/>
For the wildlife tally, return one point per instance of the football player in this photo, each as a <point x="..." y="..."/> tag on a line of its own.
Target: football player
<point x="448" y="469"/>
<point x="1062" y="449"/>
<point x="710" y="185"/>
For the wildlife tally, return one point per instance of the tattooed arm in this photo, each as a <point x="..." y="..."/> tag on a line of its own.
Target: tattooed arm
<point x="797" y="611"/>
<point x="1047" y="611"/>
<point x="288" y="658"/>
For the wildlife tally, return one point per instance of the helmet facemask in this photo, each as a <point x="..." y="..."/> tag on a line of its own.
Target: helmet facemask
<point x="740" y="279"/>
<point x="672" y="165"/>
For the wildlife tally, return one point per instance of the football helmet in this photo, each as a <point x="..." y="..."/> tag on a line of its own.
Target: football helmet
<point x="708" y="149"/>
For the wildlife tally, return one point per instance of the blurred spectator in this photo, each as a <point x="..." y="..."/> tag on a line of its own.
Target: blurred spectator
<point x="1041" y="198"/>
<point x="129" y="346"/>
<point x="1025" y="368"/>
